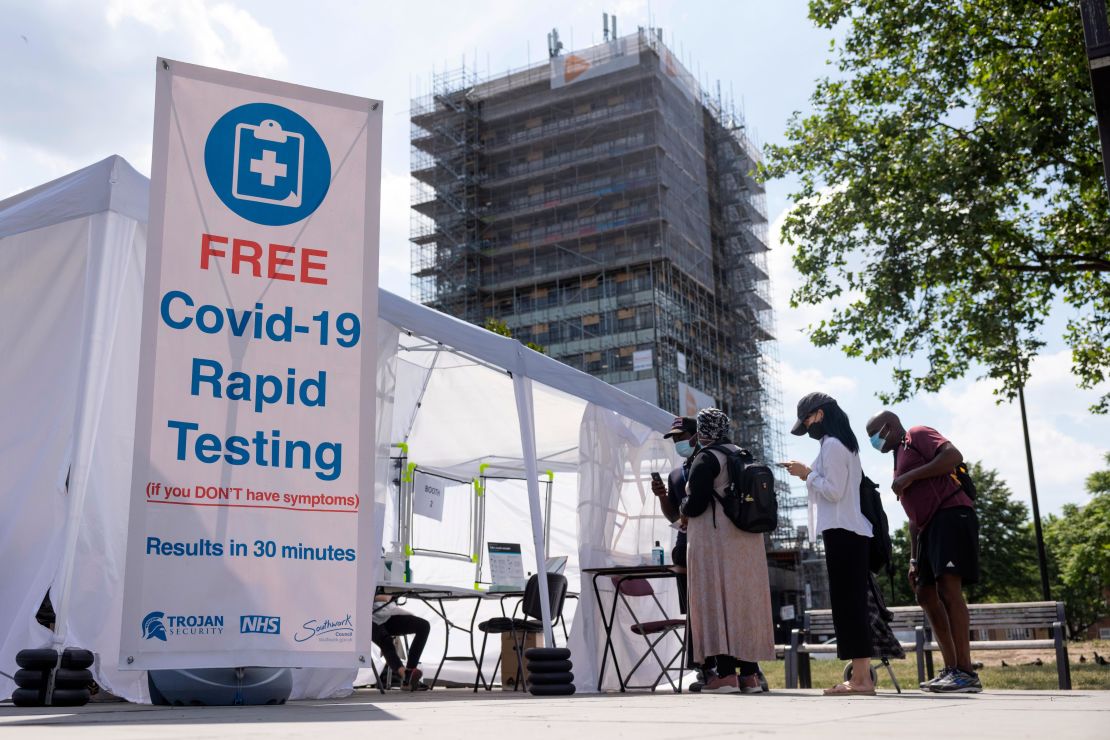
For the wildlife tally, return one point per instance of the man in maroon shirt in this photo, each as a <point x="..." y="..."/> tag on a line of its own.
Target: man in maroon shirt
<point x="944" y="540"/>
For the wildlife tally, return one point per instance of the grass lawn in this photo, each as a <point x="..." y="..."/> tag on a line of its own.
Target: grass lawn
<point x="1019" y="673"/>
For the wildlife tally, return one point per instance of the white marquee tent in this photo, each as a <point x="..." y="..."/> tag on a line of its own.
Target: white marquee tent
<point x="463" y="400"/>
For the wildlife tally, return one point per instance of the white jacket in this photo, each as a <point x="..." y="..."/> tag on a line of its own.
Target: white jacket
<point x="833" y="488"/>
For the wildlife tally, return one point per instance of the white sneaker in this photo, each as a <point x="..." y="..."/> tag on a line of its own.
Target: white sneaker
<point x="928" y="685"/>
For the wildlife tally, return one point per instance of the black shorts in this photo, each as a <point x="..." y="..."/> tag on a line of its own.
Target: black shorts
<point x="949" y="544"/>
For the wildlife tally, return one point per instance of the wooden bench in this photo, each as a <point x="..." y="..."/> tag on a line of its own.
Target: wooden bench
<point x="1032" y="615"/>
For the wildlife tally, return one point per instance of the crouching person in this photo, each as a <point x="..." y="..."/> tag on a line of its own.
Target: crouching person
<point x="392" y="621"/>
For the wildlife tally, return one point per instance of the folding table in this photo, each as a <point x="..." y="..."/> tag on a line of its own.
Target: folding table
<point x="435" y="596"/>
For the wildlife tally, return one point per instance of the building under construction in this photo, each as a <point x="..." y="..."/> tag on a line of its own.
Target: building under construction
<point x="603" y="205"/>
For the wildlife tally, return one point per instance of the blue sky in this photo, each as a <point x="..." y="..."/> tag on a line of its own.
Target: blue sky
<point x="79" y="86"/>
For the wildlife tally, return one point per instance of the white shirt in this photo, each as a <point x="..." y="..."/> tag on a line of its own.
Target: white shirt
<point x="833" y="487"/>
<point x="382" y="612"/>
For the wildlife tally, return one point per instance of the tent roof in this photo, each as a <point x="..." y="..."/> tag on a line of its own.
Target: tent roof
<point x="114" y="185"/>
<point x="109" y="185"/>
<point x="513" y="356"/>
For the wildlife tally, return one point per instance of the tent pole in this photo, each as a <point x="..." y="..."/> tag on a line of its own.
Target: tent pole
<point x="423" y="390"/>
<point x="522" y="388"/>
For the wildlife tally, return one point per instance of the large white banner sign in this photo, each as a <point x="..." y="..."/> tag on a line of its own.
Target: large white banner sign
<point x="249" y="541"/>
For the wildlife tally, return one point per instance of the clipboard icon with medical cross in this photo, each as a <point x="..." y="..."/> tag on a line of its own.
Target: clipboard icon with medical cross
<point x="268" y="166"/>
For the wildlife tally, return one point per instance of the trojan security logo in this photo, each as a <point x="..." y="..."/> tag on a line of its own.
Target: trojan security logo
<point x="162" y="626"/>
<point x="258" y="624"/>
<point x="267" y="164"/>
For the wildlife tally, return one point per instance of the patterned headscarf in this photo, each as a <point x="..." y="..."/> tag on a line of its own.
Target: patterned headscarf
<point x="712" y="424"/>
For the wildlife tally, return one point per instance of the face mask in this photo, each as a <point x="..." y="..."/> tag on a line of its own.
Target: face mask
<point x="816" y="430"/>
<point x="877" y="442"/>
<point x="684" y="448"/>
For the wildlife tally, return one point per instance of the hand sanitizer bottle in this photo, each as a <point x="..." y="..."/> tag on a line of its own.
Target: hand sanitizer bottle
<point x="393" y="564"/>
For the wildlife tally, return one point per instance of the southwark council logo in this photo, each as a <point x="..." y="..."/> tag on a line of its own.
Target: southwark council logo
<point x="267" y="164"/>
<point x="341" y="629"/>
<point x="162" y="626"/>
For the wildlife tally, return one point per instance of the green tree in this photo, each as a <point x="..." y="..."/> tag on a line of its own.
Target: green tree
<point x="1007" y="551"/>
<point x="900" y="556"/>
<point x="1078" y="543"/>
<point x="498" y="326"/>
<point x="950" y="190"/>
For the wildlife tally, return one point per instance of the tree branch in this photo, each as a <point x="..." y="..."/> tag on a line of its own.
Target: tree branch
<point x="1078" y="267"/>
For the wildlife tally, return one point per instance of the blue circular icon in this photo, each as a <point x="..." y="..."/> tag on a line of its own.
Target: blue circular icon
<point x="267" y="164"/>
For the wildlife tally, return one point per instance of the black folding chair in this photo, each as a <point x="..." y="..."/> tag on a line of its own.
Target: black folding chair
<point x="654" y="632"/>
<point x="532" y="607"/>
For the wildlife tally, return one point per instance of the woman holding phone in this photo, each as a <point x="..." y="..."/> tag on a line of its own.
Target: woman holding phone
<point x="832" y="483"/>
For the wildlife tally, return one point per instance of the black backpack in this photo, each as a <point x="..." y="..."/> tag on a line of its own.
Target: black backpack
<point x="965" y="481"/>
<point x="871" y="506"/>
<point x="749" y="501"/>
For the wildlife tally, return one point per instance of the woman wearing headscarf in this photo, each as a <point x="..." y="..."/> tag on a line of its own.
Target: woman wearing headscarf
<point x="729" y="591"/>
<point x="832" y="483"/>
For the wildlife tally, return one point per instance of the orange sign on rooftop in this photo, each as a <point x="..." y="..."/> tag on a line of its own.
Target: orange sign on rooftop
<point x="574" y="66"/>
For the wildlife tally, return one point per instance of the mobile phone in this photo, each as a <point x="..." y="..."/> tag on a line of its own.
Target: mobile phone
<point x="656" y="477"/>
<point x="783" y="464"/>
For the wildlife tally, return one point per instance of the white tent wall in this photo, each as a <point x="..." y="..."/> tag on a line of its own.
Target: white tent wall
<point x="41" y="331"/>
<point x="88" y="595"/>
<point x="618" y="522"/>
<point x="464" y="413"/>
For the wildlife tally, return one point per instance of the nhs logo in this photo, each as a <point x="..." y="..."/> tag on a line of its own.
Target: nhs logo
<point x="258" y="624"/>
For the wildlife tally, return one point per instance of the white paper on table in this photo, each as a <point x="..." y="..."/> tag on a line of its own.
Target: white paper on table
<point x="506" y="566"/>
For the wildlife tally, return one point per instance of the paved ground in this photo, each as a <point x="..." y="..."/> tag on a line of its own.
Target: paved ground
<point x="456" y="713"/>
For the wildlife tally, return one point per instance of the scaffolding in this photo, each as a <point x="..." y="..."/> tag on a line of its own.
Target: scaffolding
<point x="604" y="206"/>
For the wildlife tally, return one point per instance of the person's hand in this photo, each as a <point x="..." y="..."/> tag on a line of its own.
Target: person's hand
<point x="900" y="484"/>
<point x="658" y="488"/>
<point x="798" y="470"/>
<point x="913" y="576"/>
<point x="683" y="521"/>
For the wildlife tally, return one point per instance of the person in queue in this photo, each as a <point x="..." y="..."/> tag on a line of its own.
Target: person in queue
<point x="673" y="491"/>
<point x="730" y="593"/>
<point x="944" y="540"/>
<point x="832" y="484"/>
<point x="670" y="494"/>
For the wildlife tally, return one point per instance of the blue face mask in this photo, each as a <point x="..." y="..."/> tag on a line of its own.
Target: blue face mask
<point x="684" y="448"/>
<point x="877" y="442"/>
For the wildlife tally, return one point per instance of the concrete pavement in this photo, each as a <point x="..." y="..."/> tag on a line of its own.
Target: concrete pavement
<point x="460" y="714"/>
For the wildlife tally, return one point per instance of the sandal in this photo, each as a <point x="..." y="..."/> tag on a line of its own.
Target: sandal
<point x="846" y="689"/>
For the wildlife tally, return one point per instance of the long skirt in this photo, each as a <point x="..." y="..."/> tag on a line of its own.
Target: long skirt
<point x="729" y="591"/>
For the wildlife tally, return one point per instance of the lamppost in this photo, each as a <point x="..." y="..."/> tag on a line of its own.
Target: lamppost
<point x="1041" y="559"/>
